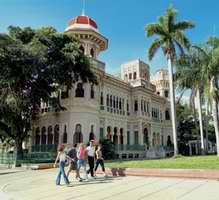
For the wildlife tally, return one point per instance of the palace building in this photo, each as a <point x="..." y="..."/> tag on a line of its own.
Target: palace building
<point x="131" y="110"/>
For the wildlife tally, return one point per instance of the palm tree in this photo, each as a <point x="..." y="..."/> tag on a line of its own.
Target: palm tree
<point x="171" y="39"/>
<point x="210" y="75"/>
<point x="188" y="67"/>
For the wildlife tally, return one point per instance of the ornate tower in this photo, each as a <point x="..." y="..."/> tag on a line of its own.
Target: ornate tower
<point x="86" y="30"/>
<point x="161" y="81"/>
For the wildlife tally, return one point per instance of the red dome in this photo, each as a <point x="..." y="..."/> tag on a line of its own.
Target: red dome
<point x="83" y="20"/>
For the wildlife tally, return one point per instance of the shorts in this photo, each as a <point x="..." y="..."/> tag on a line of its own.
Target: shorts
<point x="73" y="166"/>
<point x="81" y="163"/>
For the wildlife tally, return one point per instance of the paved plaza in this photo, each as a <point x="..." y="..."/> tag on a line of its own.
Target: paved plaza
<point x="40" y="185"/>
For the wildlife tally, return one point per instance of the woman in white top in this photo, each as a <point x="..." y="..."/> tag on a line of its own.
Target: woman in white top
<point x="62" y="158"/>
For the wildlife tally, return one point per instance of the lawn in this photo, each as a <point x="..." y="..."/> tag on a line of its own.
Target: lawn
<point x="194" y="162"/>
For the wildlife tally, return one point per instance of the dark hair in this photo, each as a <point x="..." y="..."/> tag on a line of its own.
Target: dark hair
<point x="75" y="145"/>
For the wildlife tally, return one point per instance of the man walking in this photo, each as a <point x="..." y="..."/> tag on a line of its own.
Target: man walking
<point x="91" y="153"/>
<point x="72" y="153"/>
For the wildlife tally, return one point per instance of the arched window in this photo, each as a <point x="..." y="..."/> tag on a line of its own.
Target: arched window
<point x="109" y="136"/>
<point x="158" y="139"/>
<point x="145" y="138"/>
<point x="107" y="100"/>
<point x="101" y="99"/>
<point x="134" y="75"/>
<point x="121" y="136"/>
<point x="166" y="93"/>
<point x="114" y="102"/>
<point x="82" y="49"/>
<point x="115" y="136"/>
<point x="92" y="91"/>
<point x="92" y="53"/>
<point x="154" y="139"/>
<point x="130" y="76"/>
<point x="136" y="140"/>
<point x="111" y="101"/>
<point x="50" y="135"/>
<point x="56" y="134"/>
<point x="167" y="115"/>
<point x="120" y="104"/>
<point x="136" y="106"/>
<point x="65" y="135"/>
<point x="78" y="136"/>
<point x="43" y="135"/>
<point x="79" y="92"/>
<point x="117" y="102"/>
<point x="92" y="135"/>
<point x="37" y="136"/>
<point x="169" y="143"/>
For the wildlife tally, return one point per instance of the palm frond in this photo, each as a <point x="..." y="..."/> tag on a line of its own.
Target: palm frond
<point x="180" y="37"/>
<point x="154" y="29"/>
<point x="154" y="48"/>
<point x="183" y="25"/>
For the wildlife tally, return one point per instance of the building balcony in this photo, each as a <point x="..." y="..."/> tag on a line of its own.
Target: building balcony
<point x="98" y="64"/>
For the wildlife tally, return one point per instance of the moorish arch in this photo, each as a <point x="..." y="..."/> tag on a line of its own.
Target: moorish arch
<point x="43" y="135"/>
<point x="78" y="136"/>
<point x="115" y="136"/>
<point x="56" y="134"/>
<point x="50" y="135"/>
<point x="145" y="136"/>
<point x="121" y="136"/>
<point x="37" y="136"/>
<point x="109" y="135"/>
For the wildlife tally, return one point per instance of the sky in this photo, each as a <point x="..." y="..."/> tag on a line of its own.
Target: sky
<point x="121" y="21"/>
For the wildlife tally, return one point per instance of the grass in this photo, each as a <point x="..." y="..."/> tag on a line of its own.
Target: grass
<point x="194" y="162"/>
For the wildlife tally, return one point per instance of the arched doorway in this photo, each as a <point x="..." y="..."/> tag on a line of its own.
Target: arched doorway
<point x="115" y="136"/>
<point x="43" y="135"/>
<point x="78" y="136"/>
<point x="145" y="137"/>
<point x="121" y="136"/>
<point x="50" y="135"/>
<point x="92" y="135"/>
<point x="56" y="134"/>
<point x="109" y="136"/>
<point x="37" y="136"/>
<point x="65" y="135"/>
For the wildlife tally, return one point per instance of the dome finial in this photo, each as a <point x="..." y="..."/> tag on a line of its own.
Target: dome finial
<point x="83" y="9"/>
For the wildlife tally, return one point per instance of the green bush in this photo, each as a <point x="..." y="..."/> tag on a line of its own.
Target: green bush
<point x="108" y="149"/>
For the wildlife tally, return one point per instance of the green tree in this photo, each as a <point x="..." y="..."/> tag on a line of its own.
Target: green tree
<point x="35" y="65"/>
<point x="171" y="39"/>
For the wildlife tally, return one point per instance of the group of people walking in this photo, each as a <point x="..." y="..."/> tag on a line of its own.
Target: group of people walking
<point x="77" y="157"/>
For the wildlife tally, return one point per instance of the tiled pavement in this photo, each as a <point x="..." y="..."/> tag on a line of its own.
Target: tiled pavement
<point x="39" y="185"/>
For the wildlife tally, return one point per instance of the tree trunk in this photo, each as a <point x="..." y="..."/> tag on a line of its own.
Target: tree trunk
<point x="18" y="151"/>
<point x="200" y="121"/>
<point x="215" y="112"/>
<point x="206" y="127"/>
<point x="172" y="104"/>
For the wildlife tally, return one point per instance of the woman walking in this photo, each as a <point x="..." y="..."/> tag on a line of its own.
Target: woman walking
<point x="99" y="160"/>
<point x="81" y="159"/>
<point x="62" y="158"/>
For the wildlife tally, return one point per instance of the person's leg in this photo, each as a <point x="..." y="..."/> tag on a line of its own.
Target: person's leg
<point x="58" y="179"/>
<point x="102" y="165"/>
<point x="92" y="166"/>
<point x="62" y="164"/>
<point x="89" y="163"/>
<point x="97" y="164"/>
<point x="69" y="169"/>
<point x="85" y="171"/>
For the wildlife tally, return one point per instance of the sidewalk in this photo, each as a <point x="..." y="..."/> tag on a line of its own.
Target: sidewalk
<point x="176" y="173"/>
